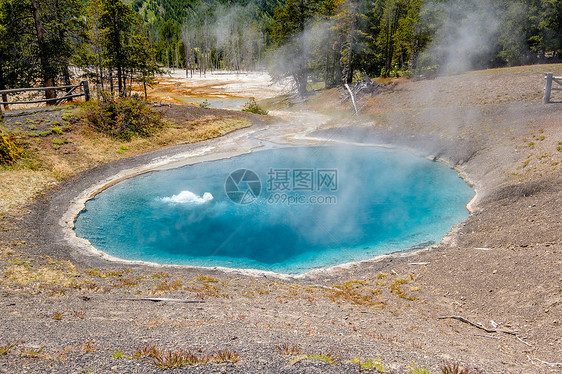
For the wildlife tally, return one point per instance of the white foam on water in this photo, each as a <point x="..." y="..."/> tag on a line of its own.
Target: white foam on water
<point x="188" y="198"/>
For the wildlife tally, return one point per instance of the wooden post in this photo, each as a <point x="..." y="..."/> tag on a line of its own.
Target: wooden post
<point x="86" y="90"/>
<point x="547" y="88"/>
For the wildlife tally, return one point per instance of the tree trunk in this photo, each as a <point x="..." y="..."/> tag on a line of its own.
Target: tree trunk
<point x="47" y="77"/>
<point x="111" y="80"/>
<point x="327" y="73"/>
<point x="4" y="96"/>
<point x="100" y="67"/>
<point x="4" y="99"/>
<point x="120" y="80"/>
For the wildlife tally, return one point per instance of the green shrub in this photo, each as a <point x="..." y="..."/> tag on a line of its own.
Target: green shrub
<point x="253" y="107"/>
<point x="122" y="118"/>
<point x="9" y="151"/>
<point x="56" y="130"/>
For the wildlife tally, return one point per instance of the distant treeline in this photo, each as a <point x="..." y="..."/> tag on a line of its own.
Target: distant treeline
<point x="115" y="44"/>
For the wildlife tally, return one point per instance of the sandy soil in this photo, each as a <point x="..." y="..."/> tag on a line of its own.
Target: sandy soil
<point x="500" y="269"/>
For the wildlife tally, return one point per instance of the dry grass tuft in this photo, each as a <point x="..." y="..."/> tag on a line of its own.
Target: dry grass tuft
<point x="203" y="278"/>
<point x="167" y="359"/>
<point x="358" y="293"/>
<point x="287" y="349"/>
<point x="62" y="274"/>
<point x="7" y="347"/>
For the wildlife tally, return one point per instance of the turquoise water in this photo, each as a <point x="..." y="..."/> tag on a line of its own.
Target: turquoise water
<point x="286" y="210"/>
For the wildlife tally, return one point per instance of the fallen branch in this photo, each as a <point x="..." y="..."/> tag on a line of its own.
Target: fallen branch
<point x="487" y="336"/>
<point x="494" y="330"/>
<point x="462" y="319"/>
<point x="327" y="288"/>
<point x="164" y="299"/>
<point x="352" y="98"/>
<point x="551" y="364"/>
<point x="523" y="341"/>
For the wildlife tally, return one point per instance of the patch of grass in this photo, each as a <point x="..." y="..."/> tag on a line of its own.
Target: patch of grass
<point x="122" y="149"/>
<point x="356" y="292"/>
<point x="168" y="286"/>
<point x="541" y="138"/>
<point x="204" y="278"/>
<point x="31" y="352"/>
<point x="118" y="354"/>
<point x="350" y="284"/>
<point x="456" y="368"/>
<point x="20" y="262"/>
<point x="160" y="275"/>
<point x="57" y="316"/>
<point x="326" y="357"/>
<point x="252" y="107"/>
<point x="397" y="290"/>
<point x="103" y="274"/>
<point x="205" y="289"/>
<point x="9" y="151"/>
<point x="172" y="359"/>
<point x="531" y="145"/>
<point x="418" y="370"/>
<point x="287" y="349"/>
<point x="79" y="314"/>
<point x="373" y="363"/>
<point x="61" y="274"/>
<point x="32" y="127"/>
<point x="226" y="355"/>
<point x="89" y="347"/>
<point x="56" y="130"/>
<point x="68" y="115"/>
<point x="126" y="282"/>
<point x="6" y="348"/>
<point x="205" y="104"/>
<point x="148" y="350"/>
<point x="57" y="142"/>
<point x="167" y="359"/>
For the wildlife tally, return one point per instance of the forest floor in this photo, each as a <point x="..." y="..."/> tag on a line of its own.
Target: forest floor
<point x="488" y="297"/>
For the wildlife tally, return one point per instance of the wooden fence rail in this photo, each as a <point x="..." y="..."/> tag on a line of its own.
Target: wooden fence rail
<point x="67" y="95"/>
<point x="550" y="78"/>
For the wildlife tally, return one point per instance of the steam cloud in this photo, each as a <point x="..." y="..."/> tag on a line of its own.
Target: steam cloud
<point x="465" y="37"/>
<point x="188" y="198"/>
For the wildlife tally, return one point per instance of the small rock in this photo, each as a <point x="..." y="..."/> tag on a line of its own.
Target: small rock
<point x="494" y="272"/>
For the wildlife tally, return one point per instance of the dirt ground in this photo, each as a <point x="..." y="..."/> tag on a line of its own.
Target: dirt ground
<point x="488" y="297"/>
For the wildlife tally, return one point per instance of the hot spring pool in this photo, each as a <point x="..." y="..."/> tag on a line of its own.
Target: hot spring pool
<point x="285" y="210"/>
